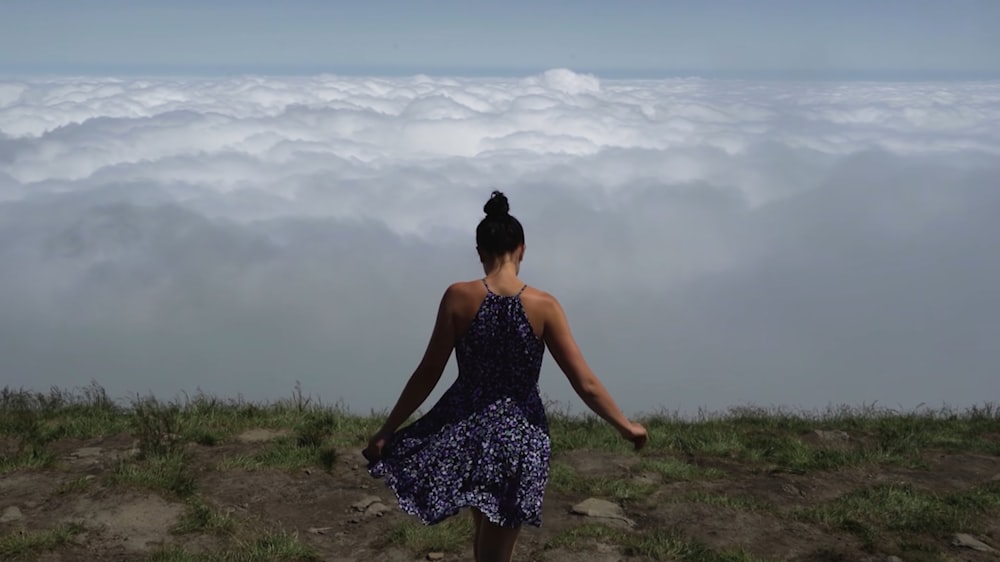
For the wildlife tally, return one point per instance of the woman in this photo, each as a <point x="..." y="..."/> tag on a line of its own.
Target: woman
<point x="485" y="444"/>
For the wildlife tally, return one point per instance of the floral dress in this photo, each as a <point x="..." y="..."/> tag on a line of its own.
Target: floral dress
<point x="485" y="444"/>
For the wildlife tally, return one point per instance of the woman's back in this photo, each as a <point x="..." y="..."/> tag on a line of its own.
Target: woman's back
<point x="500" y="347"/>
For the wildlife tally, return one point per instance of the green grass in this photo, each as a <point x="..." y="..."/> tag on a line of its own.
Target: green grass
<point x="723" y="500"/>
<point x="673" y="470"/>
<point x="31" y="458"/>
<point x="888" y="518"/>
<point x="655" y="544"/>
<point x="564" y="478"/>
<point x="76" y="485"/>
<point x="167" y="473"/>
<point x="915" y="515"/>
<point x="202" y="518"/>
<point x="274" y="546"/>
<point x="283" y="453"/>
<point x="451" y="535"/>
<point x="35" y="419"/>
<point x="30" y="545"/>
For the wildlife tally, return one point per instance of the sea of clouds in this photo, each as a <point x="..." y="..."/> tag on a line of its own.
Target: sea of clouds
<point x="714" y="243"/>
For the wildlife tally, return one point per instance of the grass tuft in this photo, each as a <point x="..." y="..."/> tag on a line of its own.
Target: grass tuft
<point x="168" y="473"/>
<point x="564" y="478"/>
<point x="673" y="470"/>
<point x="654" y="544"/>
<point x="202" y="518"/>
<point x="451" y="535"/>
<point x="21" y="546"/>
<point x="870" y="513"/>
<point x="273" y="546"/>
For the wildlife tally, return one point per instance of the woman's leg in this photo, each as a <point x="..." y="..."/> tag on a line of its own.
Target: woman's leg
<point x="477" y="520"/>
<point x="493" y="542"/>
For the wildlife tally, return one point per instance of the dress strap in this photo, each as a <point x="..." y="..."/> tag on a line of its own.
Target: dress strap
<point x="490" y="291"/>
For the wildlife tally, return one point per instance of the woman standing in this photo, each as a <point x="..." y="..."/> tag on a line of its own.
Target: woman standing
<point x="485" y="444"/>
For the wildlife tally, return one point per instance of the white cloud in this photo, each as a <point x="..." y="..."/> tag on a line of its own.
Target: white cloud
<point x="714" y="242"/>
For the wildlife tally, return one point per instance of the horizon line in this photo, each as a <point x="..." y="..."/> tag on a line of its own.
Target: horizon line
<point x="8" y="71"/>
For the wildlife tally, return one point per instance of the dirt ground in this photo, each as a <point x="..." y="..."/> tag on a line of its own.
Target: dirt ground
<point x="124" y="523"/>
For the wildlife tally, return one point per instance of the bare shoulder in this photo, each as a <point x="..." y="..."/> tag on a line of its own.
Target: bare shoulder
<point x="540" y="300"/>
<point x="535" y="294"/>
<point x="462" y="293"/>
<point x="465" y="288"/>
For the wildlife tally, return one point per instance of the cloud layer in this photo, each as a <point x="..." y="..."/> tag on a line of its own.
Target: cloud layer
<point x="714" y="242"/>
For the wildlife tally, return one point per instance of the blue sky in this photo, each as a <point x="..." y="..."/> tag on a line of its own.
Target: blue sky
<point x="894" y="39"/>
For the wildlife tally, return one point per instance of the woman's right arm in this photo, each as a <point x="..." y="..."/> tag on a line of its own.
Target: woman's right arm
<point x="559" y="339"/>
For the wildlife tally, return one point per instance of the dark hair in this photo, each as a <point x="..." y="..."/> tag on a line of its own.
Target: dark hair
<point x="499" y="233"/>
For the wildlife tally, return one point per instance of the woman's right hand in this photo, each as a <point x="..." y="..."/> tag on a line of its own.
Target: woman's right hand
<point x="373" y="452"/>
<point x="636" y="434"/>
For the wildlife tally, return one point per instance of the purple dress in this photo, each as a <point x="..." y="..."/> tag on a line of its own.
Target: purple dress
<point x="485" y="444"/>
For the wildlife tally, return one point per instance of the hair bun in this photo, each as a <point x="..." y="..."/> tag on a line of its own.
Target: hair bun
<point x="497" y="206"/>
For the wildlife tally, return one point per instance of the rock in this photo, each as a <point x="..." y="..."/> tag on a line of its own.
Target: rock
<point x="364" y="502"/>
<point x="378" y="509"/>
<point x="791" y="489"/>
<point x="968" y="541"/>
<point x="308" y="471"/>
<point x="435" y="556"/>
<point x="996" y="478"/>
<point x="602" y="509"/>
<point x="834" y="436"/>
<point x="9" y="514"/>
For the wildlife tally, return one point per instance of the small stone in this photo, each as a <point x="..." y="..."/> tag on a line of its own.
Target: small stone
<point x="308" y="471"/>
<point x="792" y="490"/>
<point x="319" y="530"/>
<point x="435" y="556"/>
<point x="968" y="541"/>
<point x="595" y="507"/>
<point x="996" y="478"/>
<point x="12" y="513"/>
<point x="378" y="509"/>
<point x="364" y="502"/>
<point x="354" y="520"/>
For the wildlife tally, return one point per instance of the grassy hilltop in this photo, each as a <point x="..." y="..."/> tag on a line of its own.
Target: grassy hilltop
<point x="83" y="477"/>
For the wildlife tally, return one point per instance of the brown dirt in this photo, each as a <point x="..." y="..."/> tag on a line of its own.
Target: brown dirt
<point x="124" y="523"/>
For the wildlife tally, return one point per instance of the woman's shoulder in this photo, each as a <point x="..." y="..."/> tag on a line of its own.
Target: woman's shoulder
<point x="465" y="287"/>
<point x="540" y="300"/>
